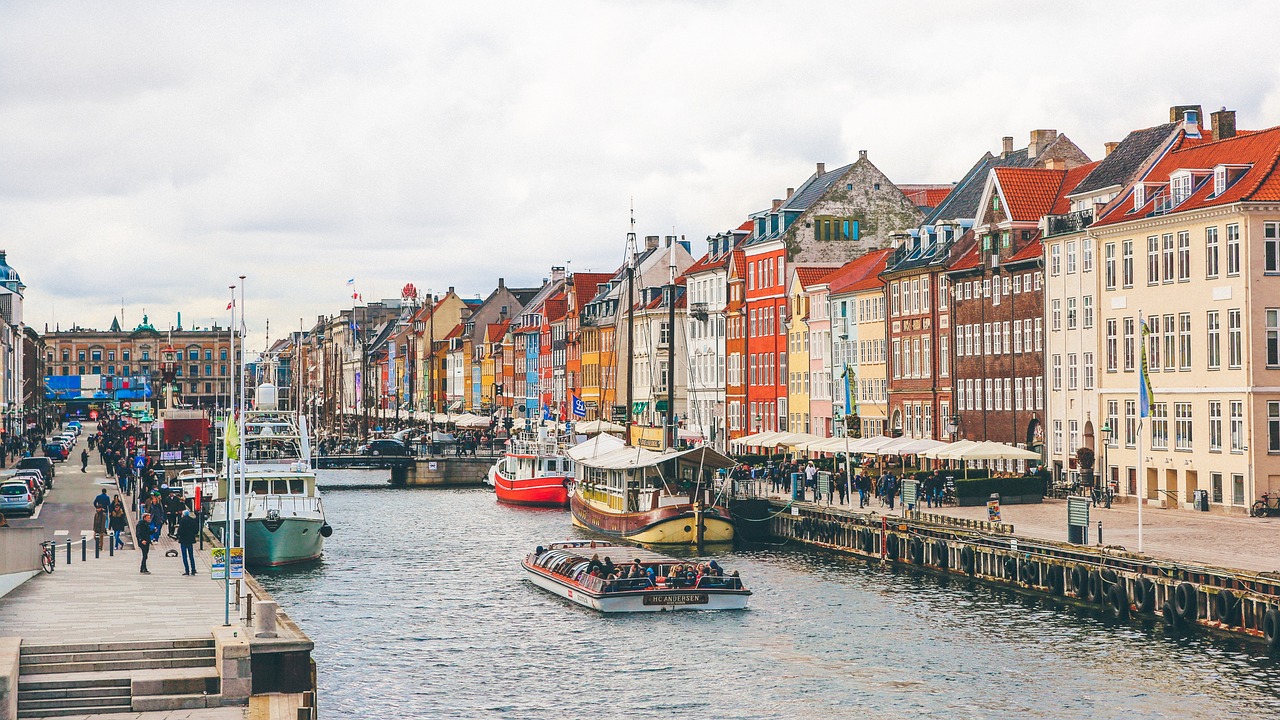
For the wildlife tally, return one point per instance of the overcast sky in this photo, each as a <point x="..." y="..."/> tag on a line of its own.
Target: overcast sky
<point x="152" y="153"/>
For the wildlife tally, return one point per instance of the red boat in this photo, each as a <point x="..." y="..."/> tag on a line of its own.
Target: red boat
<point x="532" y="472"/>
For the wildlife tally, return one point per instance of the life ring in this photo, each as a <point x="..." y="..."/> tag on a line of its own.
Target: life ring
<point x="1055" y="580"/>
<point x="1079" y="581"/>
<point x="1097" y="588"/>
<point x="1118" y="601"/>
<point x="1271" y="628"/>
<point x="1172" y="619"/>
<point x="940" y="555"/>
<point x="1186" y="602"/>
<point x="1144" y="595"/>
<point x="1011" y="567"/>
<point x="891" y="546"/>
<point x="967" y="559"/>
<point x="1227" y="606"/>
<point x="917" y="551"/>
<point x="1029" y="572"/>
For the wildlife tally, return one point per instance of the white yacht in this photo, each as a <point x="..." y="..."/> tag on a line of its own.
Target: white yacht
<point x="283" y="515"/>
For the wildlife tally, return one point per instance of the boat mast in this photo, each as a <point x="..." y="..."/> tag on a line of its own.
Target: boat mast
<point x="670" y="420"/>
<point x="631" y="320"/>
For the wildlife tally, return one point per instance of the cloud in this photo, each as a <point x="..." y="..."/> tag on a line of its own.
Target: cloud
<point x="155" y="152"/>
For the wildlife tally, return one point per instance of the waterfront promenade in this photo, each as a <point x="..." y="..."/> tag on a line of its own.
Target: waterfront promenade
<point x="1242" y="543"/>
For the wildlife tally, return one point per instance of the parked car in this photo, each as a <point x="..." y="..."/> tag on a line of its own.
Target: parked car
<point x="56" y="451"/>
<point x="16" y="498"/>
<point x="75" y="426"/>
<point x="39" y="478"/>
<point x="34" y="483"/>
<point x="385" y="446"/>
<point x="68" y="438"/>
<point x="43" y="464"/>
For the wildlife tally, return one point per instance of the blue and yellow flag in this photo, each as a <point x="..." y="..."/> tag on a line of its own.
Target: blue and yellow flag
<point x="850" y="406"/>
<point x="1145" y="396"/>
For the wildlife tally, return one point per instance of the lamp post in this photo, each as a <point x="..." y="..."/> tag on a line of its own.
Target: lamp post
<point x="1106" y="441"/>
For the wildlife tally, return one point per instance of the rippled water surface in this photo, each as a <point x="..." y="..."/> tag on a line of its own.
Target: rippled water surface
<point x="419" y="609"/>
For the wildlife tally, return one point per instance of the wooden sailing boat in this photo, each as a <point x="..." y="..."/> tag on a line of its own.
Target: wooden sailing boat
<point x="660" y="498"/>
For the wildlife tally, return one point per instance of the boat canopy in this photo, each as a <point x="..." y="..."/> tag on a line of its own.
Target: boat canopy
<point x="631" y="458"/>
<point x="595" y="447"/>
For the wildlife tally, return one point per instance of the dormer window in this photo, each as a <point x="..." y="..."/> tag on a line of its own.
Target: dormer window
<point x="1180" y="184"/>
<point x="1139" y="196"/>
<point x="1226" y="175"/>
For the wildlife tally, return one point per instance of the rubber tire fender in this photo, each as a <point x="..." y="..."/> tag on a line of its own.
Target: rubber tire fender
<point x="1144" y="595"/>
<point x="1011" y="567"/>
<point x="1079" y="581"/>
<point x="868" y="542"/>
<point x="1228" y="607"/>
<point x="1029" y="572"/>
<point x="1118" y="601"/>
<point x="1097" y="588"/>
<point x="940" y="554"/>
<point x="1271" y="628"/>
<point x="892" y="546"/>
<point x="1185" y="602"/>
<point x="1055" y="580"/>
<point x="917" y="551"/>
<point x="1172" y="619"/>
<point x="967" y="559"/>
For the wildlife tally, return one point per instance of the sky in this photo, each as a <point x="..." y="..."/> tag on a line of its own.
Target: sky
<point x="152" y="153"/>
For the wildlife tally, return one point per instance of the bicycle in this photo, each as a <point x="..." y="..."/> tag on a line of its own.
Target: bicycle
<point x="48" y="556"/>
<point x="1268" y="506"/>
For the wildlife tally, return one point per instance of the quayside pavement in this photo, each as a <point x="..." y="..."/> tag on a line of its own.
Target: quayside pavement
<point x="1242" y="543"/>
<point x="97" y="638"/>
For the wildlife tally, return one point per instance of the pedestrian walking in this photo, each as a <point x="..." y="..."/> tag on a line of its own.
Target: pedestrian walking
<point x="142" y="537"/>
<point x="188" y="528"/>
<point x="102" y="501"/>
<point x="84" y="461"/>
<point x="118" y="522"/>
<point x="99" y="527"/>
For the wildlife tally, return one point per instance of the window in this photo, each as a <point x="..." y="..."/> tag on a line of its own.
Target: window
<point x="893" y="299"/>
<point x="1128" y="344"/>
<point x="1039" y="334"/>
<point x="1184" y="341"/>
<point x="1237" y="488"/>
<point x="1127" y="264"/>
<point x="1113" y="422"/>
<point x="1273" y="426"/>
<point x="925" y="362"/>
<point x="1153" y="351"/>
<point x="1017" y="395"/>
<point x="1211" y="252"/>
<point x="1088" y="371"/>
<point x="1111" y="345"/>
<point x="1055" y="314"/>
<point x="1237" y="426"/>
<point x="1055" y="260"/>
<point x="1153" y="260"/>
<point x="1007" y="332"/>
<point x="1271" y="247"/>
<point x="1071" y="257"/>
<point x="1073" y="372"/>
<point x="1057" y="438"/>
<point x="1167" y="265"/>
<point x="1180" y="187"/>
<point x="1130" y="423"/>
<point x="897" y="359"/>
<point x="1170" y="343"/>
<point x="1215" y="426"/>
<point x="1273" y="337"/>
<point x="1235" y="344"/>
<point x="1109" y="265"/>
<point x="1017" y="336"/>
<point x="1182" y="426"/>
<point x="1057" y="373"/>
<point x="1073" y="435"/>
<point x="1159" y="426"/>
<point x="1233" y="250"/>
<point x="1213" y="344"/>
<point x="943" y="356"/>
<point x="1071" y="313"/>
<point x="989" y="400"/>
<point x="1088" y="312"/>
<point x="1086" y="255"/>
<point x="1184" y="256"/>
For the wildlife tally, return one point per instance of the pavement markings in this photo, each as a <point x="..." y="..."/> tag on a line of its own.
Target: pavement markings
<point x="61" y="532"/>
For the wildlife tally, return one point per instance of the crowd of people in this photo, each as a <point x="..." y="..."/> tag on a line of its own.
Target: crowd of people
<point x="800" y="479"/>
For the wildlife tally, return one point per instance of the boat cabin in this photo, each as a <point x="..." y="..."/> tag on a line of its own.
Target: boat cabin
<point x="632" y="479"/>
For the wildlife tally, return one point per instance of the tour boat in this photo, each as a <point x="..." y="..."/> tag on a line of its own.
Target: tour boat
<point x="283" y="515"/>
<point x="563" y="568"/>
<point x="534" y="470"/>
<point x="666" y="498"/>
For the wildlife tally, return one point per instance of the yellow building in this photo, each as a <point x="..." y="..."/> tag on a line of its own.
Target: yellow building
<point x="860" y="345"/>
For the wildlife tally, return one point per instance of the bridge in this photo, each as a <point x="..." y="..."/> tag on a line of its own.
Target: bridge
<point x="410" y="471"/>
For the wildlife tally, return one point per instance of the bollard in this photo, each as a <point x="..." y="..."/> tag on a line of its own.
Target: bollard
<point x="97" y="547"/>
<point x="248" y="610"/>
<point x="111" y="544"/>
<point x="264" y="624"/>
<point x="84" y="548"/>
<point x="68" y="551"/>
<point x="1099" y="532"/>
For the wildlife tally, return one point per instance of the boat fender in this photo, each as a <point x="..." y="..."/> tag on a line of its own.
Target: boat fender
<point x="1097" y="588"/>
<point x="1227" y="606"/>
<point x="1144" y="595"/>
<point x="940" y="555"/>
<point x="326" y="530"/>
<point x="891" y="546"/>
<point x="917" y="551"/>
<point x="1079" y="581"/>
<point x="1055" y="580"/>
<point x="1029" y="572"/>
<point x="1118" y="601"/>
<point x="967" y="559"/>
<point x="1172" y="619"/>
<point x="1109" y="575"/>
<point x="1271" y="628"/>
<point x="1011" y="567"/>
<point x="1185" y="602"/>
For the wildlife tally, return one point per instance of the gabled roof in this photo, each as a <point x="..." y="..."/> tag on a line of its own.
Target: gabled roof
<point x="1074" y="176"/>
<point x="813" y="274"/>
<point x="1127" y="158"/>
<point x="850" y="275"/>
<point x="708" y="262"/>
<point x="1028" y="192"/>
<point x="813" y="188"/>
<point x="1258" y="151"/>
<point x="1032" y="250"/>
<point x="496" y="330"/>
<point x="556" y="309"/>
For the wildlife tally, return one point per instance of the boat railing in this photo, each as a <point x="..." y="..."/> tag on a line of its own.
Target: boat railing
<point x="535" y="447"/>
<point x="286" y="504"/>
<point x="706" y="582"/>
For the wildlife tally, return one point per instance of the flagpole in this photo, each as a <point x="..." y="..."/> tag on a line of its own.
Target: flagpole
<point x="226" y="459"/>
<point x="240" y="425"/>
<point x="1143" y="411"/>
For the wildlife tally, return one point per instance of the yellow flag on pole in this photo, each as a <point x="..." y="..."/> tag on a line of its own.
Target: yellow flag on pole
<point x="231" y="439"/>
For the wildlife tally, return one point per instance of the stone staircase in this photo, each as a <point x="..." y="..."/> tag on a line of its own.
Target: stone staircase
<point x="117" y="677"/>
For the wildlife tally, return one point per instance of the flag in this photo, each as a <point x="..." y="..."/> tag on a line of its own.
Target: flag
<point x="230" y="305"/>
<point x="355" y="296"/>
<point x="351" y="281"/>
<point x="1145" y="396"/>
<point x="850" y="407"/>
<point x="231" y="439"/>
<point x="579" y="407"/>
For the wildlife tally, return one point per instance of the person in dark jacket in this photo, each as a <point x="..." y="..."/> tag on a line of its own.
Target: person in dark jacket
<point x="84" y="461"/>
<point x="142" y="536"/>
<point x="102" y="501"/>
<point x="188" y="528"/>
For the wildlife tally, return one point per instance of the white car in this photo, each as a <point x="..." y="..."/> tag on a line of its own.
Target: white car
<point x="17" y="498"/>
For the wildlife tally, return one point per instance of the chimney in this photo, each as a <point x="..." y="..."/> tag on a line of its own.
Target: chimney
<point x="1040" y="139"/>
<point x="668" y="240"/>
<point x="790" y="192"/>
<point x="862" y="154"/>
<point x="1006" y="145"/>
<point x="1110" y="147"/>
<point x="502" y="283"/>
<point x="557" y="273"/>
<point x="822" y="168"/>
<point x="777" y="203"/>
<point x="1055" y="164"/>
<point x="1177" y="113"/>
<point x="450" y="290"/>
<point x="1224" y="124"/>
<point x="651" y="241"/>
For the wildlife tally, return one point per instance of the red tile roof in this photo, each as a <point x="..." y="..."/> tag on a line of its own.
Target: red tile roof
<point x="1033" y="249"/>
<point x="708" y="262"/>
<point x="813" y="274"/>
<point x="930" y="196"/>
<point x="496" y="330"/>
<point x="859" y="273"/>
<point x="556" y="308"/>
<point x="969" y="260"/>
<point x="1029" y="193"/>
<point x="1075" y="176"/>
<point x="1259" y="150"/>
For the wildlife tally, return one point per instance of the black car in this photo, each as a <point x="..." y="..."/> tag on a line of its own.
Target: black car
<point x="43" y="464"/>
<point x="384" y="446"/>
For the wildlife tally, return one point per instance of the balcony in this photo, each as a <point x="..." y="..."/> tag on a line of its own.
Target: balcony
<point x="1072" y="222"/>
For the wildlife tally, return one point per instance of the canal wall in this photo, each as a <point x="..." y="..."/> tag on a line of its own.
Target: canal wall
<point x="1121" y="583"/>
<point x="442" y="472"/>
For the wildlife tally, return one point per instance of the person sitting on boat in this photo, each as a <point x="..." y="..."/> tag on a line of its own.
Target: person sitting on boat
<point x="537" y="552"/>
<point x="595" y="565"/>
<point x="607" y="567"/>
<point x="715" y="569"/>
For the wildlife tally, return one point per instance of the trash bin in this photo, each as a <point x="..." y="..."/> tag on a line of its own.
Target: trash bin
<point x="1200" y="500"/>
<point x="797" y="489"/>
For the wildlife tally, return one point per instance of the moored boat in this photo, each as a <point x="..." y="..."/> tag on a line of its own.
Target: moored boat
<point x="534" y="471"/>
<point x="643" y="581"/>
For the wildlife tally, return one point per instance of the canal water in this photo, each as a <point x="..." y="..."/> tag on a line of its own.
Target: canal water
<point x="419" y="610"/>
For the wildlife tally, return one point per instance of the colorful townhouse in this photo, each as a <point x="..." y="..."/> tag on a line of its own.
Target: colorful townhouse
<point x="858" y="347"/>
<point x="806" y="309"/>
<point x="737" y="420"/>
<point x="707" y="282"/>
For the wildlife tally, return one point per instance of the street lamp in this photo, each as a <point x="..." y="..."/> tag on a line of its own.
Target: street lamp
<point x="1106" y="440"/>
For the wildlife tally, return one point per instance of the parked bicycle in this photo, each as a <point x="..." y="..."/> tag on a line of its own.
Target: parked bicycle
<point x="1268" y="506"/>
<point x="48" y="555"/>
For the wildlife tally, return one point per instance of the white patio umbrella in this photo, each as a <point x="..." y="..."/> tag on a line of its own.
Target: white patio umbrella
<point x="949" y="452"/>
<point x="753" y="440"/>
<point x="595" y="427"/>
<point x="997" y="451"/>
